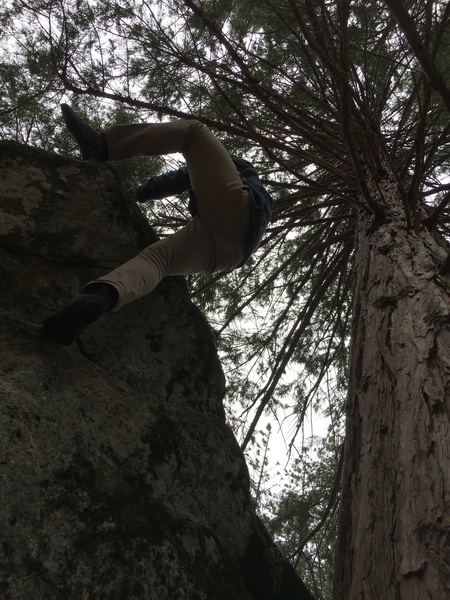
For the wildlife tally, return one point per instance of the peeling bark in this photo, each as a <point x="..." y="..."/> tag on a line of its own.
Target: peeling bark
<point x="394" y="539"/>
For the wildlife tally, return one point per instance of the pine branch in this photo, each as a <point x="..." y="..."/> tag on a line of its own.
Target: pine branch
<point x="433" y="218"/>
<point x="293" y="339"/>
<point x="331" y="506"/>
<point x="406" y="24"/>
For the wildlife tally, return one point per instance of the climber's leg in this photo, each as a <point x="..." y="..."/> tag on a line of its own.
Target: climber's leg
<point x="214" y="240"/>
<point x="193" y="249"/>
<point x="221" y="196"/>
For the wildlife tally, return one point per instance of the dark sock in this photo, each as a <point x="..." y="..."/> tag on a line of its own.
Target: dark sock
<point x="103" y="289"/>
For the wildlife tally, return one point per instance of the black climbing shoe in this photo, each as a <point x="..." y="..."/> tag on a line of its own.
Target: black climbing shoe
<point x="66" y="325"/>
<point x="92" y="144"/>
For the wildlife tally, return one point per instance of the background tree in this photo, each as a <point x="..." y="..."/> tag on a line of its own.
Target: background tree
<point x="343" y="109"/>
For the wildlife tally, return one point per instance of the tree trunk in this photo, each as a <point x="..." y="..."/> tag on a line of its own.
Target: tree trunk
<point x="394" y="531"/>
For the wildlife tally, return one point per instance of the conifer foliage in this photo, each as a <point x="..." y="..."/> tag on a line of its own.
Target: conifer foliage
<point x="343" y="108"/>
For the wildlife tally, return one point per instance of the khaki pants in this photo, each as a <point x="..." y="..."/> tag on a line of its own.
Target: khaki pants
<point x="214" y="240"/>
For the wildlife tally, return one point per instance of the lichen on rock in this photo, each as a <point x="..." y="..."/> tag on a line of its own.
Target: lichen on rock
<point x="120" y="477"/>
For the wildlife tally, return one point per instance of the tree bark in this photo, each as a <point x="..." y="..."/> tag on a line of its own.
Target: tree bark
<point x="394" y="531"/>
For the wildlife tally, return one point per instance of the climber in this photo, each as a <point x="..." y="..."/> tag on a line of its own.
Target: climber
<point x="230" y="211"/>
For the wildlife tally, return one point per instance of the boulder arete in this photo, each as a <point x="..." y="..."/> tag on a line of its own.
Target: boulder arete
<point x="120" y="478"/>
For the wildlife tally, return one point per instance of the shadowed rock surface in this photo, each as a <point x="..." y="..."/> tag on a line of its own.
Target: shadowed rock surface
<point x="120" y="478"/>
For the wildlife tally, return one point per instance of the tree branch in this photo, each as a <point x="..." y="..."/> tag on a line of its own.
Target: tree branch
<point x="406" y="24"/>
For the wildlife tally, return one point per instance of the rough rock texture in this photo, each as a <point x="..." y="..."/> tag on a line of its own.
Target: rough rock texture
<point x="120" y="478"/>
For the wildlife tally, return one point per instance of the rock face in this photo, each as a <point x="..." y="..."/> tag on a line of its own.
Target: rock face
<point x="119" y="476"/>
